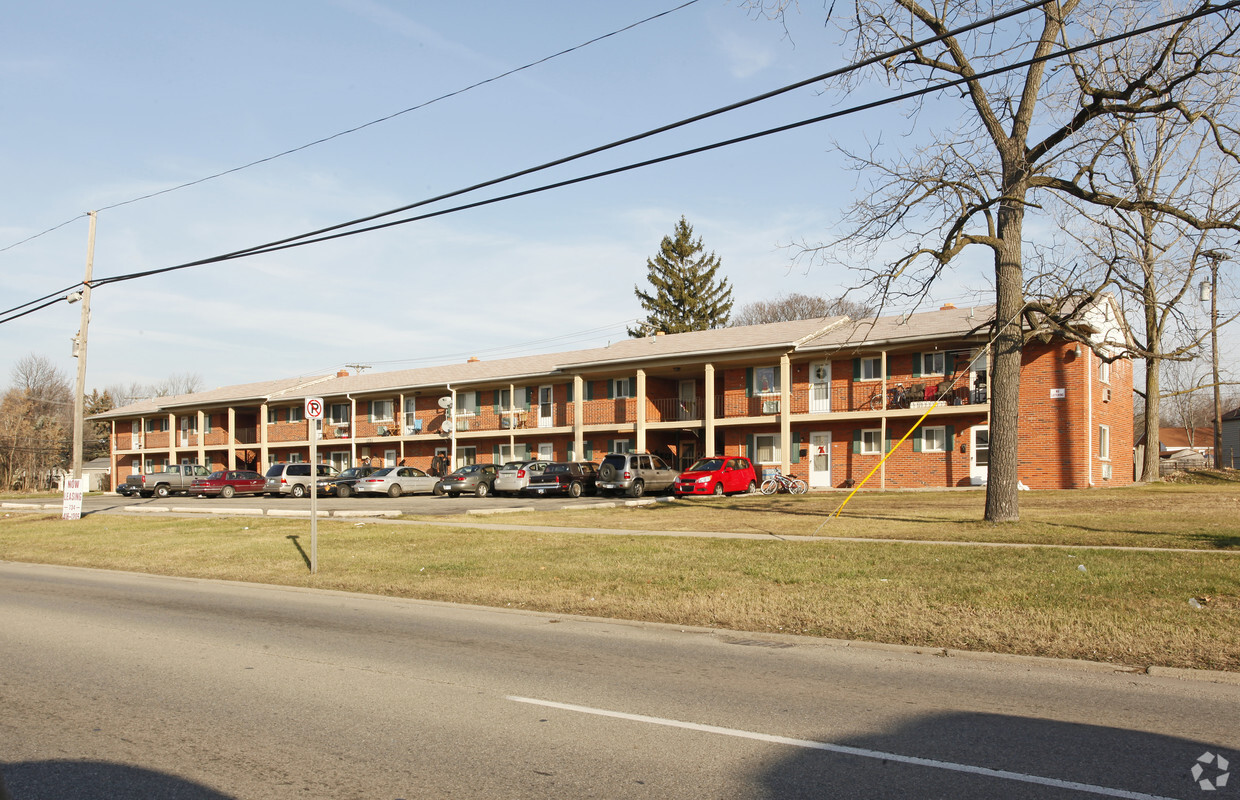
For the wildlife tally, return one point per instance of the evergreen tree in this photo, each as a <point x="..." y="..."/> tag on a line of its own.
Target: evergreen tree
<point x="686" y="294"/>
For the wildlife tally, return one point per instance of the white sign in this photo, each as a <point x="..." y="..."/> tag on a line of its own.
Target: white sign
<point x="314" y="408"/>
<point x="1058" y="394"/>
<point x="73" y="498"/>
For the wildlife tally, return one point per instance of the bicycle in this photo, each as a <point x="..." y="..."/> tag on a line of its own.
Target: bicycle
<point x="898" y="398"/>
<point x="778" y="482"/>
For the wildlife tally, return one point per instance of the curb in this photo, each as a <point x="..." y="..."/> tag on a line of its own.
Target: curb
<point x="379" y="513"/>
<point x="482" y="512"/>
<point x="223" y="512"/>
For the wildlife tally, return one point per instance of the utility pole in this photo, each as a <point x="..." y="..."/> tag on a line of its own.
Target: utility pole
<point x="1214" y="257"/>
<point x="79" y="352"/>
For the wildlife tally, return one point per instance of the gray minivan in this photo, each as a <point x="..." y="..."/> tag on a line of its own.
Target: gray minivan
<point x="295" y="478"/>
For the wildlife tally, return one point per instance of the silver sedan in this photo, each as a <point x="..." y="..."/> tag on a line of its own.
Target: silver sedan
<point x="395" y="481"/>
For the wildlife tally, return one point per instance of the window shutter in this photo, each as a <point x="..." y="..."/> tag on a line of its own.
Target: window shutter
<point x="778" y="379"/>
<point x="611" y="390"/>
<point x="589" y="451"/>
<point x="796" y="448"/>
<point x="857" y="440"/>
<point x="495" y="455"/>
<point x="917" y="441"/>
<point x="949" y="363"/>
<point x="856" y="369"/>
<point x="570" y="394"/>
<point x="529" y="397"/>
<point x="477" y="403"/>
<point x="750" y="450"/>
<point x="888" y="360"/>
<point x="497" y="400"/>
<point x="916" y="365"/>
<point x="527" y="451"/>
<point x="887" y="444"/>
<point x="749" y="382"/>
<point x="949" y="438"/>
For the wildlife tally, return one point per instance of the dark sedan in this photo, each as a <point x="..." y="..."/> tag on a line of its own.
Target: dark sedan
<point x="572" y="478"/>
<point x="344" y="484"/>
<point x="229" y="482"/>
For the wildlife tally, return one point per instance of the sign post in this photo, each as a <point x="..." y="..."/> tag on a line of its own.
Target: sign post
<point x="314" y="415"/>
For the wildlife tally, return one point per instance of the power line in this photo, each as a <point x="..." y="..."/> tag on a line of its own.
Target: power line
<point x="363" y="126"/>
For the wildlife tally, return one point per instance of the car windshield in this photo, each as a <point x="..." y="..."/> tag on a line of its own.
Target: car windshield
<point x="215" y="476"/>
<point x="275" y="471"/>
<point x="616" y="460"/>
<point x="472" y="468"/>
<point x="355" y="472"/>
<point x="379" y="473"/>
<point x="707" y="465"/>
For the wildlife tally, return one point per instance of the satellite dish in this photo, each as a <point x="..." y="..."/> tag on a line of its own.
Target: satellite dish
<point x="445" y="402"/>
<point x="447" y="426"/>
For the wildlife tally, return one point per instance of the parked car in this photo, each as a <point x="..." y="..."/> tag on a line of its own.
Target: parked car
<point x="395" y="481"/>
<point x="172" y="479"/>
<point x="718" y="476"/>
<point x="515" y="476"/>
<point x="476" y="478"/>
<point x="296" y="478"/>
<point x="228" y="482"/>
<point x="635" y="474"/>
<point x="343" y="485"/>
<point x="572" y="478"/>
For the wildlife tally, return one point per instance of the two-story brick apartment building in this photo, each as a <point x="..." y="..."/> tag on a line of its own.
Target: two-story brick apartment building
<point x="822" y="399"/>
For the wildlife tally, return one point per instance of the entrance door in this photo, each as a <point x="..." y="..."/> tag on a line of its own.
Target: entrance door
<point x="979" y="459"/>
<point x="546" y="410"/>
<point x="819" y="387"/>
<point x="820" y="459"/>
<point x="688" y="399"/>
<point x="185" y="431"/>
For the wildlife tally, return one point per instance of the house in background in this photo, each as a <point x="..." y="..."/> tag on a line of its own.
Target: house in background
<point x="1181" y="448"/>
<point x="822" y="399"/>
<point x="1229" y="458"/>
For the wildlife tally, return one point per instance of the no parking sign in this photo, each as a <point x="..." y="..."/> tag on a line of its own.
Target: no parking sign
<point x="314" y="408"/>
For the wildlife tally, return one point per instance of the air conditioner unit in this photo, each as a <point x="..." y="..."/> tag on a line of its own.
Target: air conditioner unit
<point x="1106" y="395"/>
<point x="770" y="406"/>
<point x="1106" y="472"/>
<point x="505" y="422"/>
<point x="462" y="424"/>
<point x="381" y="430"/>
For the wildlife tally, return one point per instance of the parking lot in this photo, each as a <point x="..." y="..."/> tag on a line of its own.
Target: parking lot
<point x="349" y="506"/>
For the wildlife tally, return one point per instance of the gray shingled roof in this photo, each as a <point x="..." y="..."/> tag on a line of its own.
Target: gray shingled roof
<point x="941" y="324"/>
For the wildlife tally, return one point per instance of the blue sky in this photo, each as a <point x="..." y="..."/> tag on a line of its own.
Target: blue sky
<point x="108" y="102"/>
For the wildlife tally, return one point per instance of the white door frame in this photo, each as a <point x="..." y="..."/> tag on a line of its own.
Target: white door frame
<point x="819" y="387"/>
<point x="978" y="473"/>
<point x="688" y="399"/>
<point x="549" y="420"/>
<point x="819" y="474"/>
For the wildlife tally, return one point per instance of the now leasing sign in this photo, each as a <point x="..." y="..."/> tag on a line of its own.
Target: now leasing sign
<point x="72" y="508"/>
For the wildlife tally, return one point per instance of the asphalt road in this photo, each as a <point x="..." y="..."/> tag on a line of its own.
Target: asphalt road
<point x="127" y="686"/>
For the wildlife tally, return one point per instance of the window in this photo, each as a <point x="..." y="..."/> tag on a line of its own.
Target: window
<point x="206" y="423"/>
<point x="272" y="416"/>
<point x="1104" y="442"/>
<point x="389" y="458"/>
<point x="411" y="407"/>
<point x="381" y="411"/>
<point x="296" y="414"/>
<point x="624" y="387"/>
<point x="871" y="369"/>
<point x="766" y="380"/>
<point x="294" y="458"/>
<point x="934" y="440"/>
<point x="872" y="441"/>
<point x="766" y="447"/>
<point x="1104" y="371"/>
<point x="509" y="452"/>
<point x="466" y="402"/>
<point x="546" y="451"/>
<point x="620" y="445"/>
<point x="338" y="414"/>
<point x="933" y="363"/>
<point x="466" y="455"/>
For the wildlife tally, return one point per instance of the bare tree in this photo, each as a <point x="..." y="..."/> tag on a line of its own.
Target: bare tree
<point x="1022" y="131"/>
<point x="35" y="425"/>
<point x="182" y="383"/>
<point x="799" y="306"/>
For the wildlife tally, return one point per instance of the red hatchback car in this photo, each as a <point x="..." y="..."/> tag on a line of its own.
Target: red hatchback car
<point x="227" y="483"/>
<point x="718" y="476"/>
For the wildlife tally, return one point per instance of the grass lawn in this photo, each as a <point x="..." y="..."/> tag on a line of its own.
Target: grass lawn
<point x="1130" y="607"/>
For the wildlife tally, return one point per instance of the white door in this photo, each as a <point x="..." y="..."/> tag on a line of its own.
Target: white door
<point x="185" y="431"/>
<point x="820" y="459"/>
<point x="820" y="387"/>
<point x="979" y="457"/>
<point x="135" y="433"/>
<point x="546" y="410"/>
<point x="688" y="399"/>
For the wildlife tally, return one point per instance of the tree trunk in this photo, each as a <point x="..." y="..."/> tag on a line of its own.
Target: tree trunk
<point x="1153" y="411"/>
<point x="1002" y="502"/>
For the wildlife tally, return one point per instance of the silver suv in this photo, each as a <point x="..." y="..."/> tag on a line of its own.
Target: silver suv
<point x="296" y="478"/>
<point x="635" y="474"/>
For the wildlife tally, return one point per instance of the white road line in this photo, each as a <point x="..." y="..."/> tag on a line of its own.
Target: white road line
<point x="852" y="751"/>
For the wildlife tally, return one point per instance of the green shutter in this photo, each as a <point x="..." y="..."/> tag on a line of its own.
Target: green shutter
<point x="495" y="455"/>
<point x="477" y="403"/>
<point x="570" y="396"/>
<point x="611" y="389"/>
<point x="589" y="390"/>
<point x="498" y="401"/>
<point x="856" y="369"/>
<point x="856" y="439"/>
<point x="949" y="438"/>
<point x="949" y="363"/>
<point x="916" y="365"/>
<point x="749" y="382"/>
<point x="917" y="441"/>
<point x="778" y="381"/>
<point x="529" y="397"/>
<point x="887" y="444"/>
<point x="796" y="448"/>
<point x="589" y="451"/>
<point x="750" y="450"/>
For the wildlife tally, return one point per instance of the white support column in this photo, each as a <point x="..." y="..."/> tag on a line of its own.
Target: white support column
<point x="785" y="414"/>
<point x="202" y="438"/>
<point x="263" y="413"/>
<point x="708" y="397"/>
<point x="641" y="411"/>
<point x="579" y="439"/>
<point x="232" y="439"/>
<point x="172" y="438"/>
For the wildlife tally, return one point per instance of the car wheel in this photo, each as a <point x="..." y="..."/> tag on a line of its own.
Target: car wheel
<point x="394" y="490"/>
<point x="162" y="491"/>
<point x="342" y="491"/>
<point x="227" y="492"/>
<point x="637" y="489"/>
<point x="752" y="487"/>
<point x="481" y="489"/>
<point x="718" y="490"/>
<point x="437" y="491"/>
<point x="298" y="490"/>
<point x="574" y="489"/>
